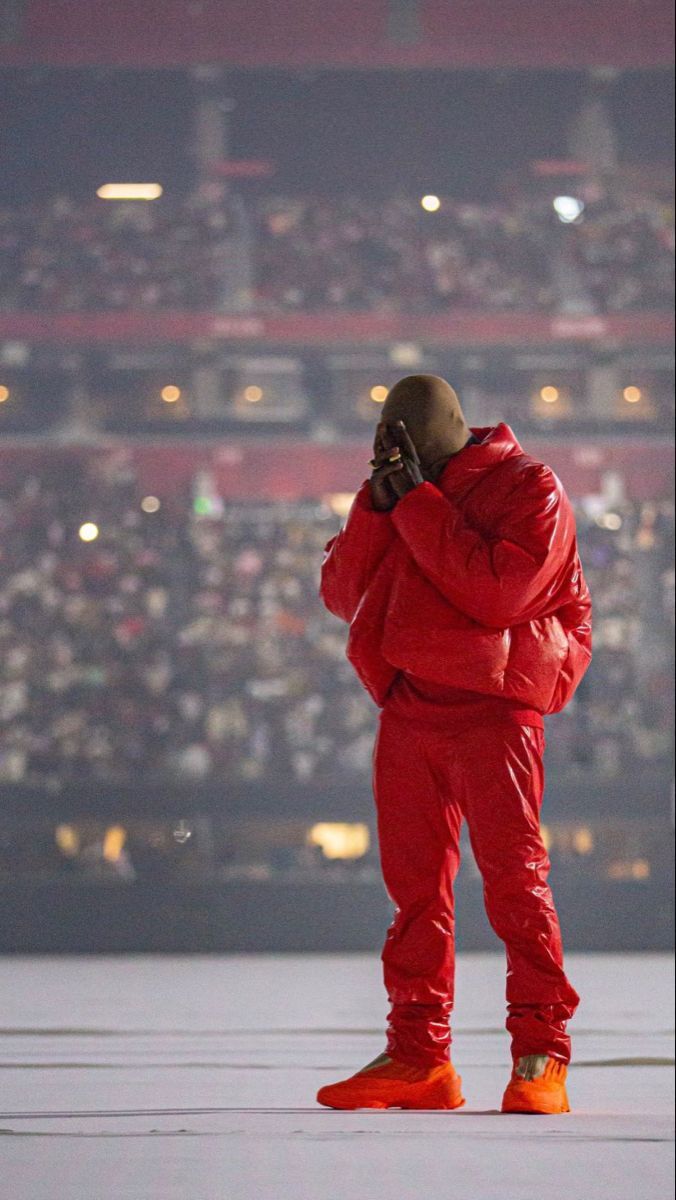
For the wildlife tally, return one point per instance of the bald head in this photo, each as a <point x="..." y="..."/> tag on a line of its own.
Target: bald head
<point x="431" y="411"/>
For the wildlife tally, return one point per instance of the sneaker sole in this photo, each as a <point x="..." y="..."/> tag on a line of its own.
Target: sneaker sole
<point x="523" y="1110"/>
<point x="382" y="1105"/>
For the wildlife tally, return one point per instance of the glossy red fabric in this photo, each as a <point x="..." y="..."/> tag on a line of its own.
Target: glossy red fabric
<point x="426" y="781"/>
<point x="470" y="619"/>
<point x="473" y="582"/>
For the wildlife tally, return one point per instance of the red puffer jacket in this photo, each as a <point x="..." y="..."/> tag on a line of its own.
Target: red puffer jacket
<point x="474" y="582"/>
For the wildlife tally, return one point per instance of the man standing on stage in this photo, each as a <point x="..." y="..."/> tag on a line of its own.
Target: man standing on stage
<point x="458" y="573"/>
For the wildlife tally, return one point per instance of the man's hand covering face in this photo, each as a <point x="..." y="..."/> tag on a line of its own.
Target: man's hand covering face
<point x="396" y="465"/>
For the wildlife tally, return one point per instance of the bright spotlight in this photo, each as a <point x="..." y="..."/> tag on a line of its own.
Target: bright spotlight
<point x="568" y="208"/>
<point x="170" y="394"/>
<point x="150" y="504"/>
<point x="609" y="520"/>
<point x="129" y="191"/>
<point x="4" y="394"/>
<point x="378" y="394"/>
<point x="88" y="532"/>
<point x="431" y="203"/>
<point x="632" y="395"/>
<point x="549" y="394"/>
<point x="253" y="394"/>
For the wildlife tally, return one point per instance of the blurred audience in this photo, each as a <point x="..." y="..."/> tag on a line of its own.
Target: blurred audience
<point x="355" y="254"/>
<point x="68" y="257"/>
<point x="626" y="255"/>
<point x="190" y="649"/>
<point x="216" y="251"/>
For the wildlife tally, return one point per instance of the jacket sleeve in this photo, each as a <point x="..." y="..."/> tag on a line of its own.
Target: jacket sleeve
<point x="352" y="556"/>
<point x="493" y="578"/>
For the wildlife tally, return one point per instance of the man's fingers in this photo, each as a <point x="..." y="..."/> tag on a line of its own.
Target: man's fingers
<point x="387" y="435"/>
<point x="387" y="468"/>
<point x="377" y="443"/>
<point x="386" y="456"/>
<point x="408" y="444"/>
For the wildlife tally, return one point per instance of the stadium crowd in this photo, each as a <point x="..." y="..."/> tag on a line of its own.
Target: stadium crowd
<point x="349" y="253"/>
<point x="625" y="254"/>
<point x="192" y="649"/>
<point x="217" y="251"/>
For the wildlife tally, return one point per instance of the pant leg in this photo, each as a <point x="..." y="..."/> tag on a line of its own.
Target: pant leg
<point x="418" y="832"/>
<point x="501" y="796"/>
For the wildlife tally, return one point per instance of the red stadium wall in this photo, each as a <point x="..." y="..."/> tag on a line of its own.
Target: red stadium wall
<point x="453" y="328"/>
<point x="345" y="33"/>
<point x="283" y="469"/>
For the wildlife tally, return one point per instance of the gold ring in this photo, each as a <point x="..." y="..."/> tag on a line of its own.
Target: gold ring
<point x="392" y="459"/>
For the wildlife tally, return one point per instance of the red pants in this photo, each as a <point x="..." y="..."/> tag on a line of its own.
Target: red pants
<point x="425" y="782"/>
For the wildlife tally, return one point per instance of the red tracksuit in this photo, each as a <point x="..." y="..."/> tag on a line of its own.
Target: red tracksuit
<point x="469" y="619"/>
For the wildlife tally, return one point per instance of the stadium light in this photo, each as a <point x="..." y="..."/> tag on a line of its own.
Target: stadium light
<point x="130" y="191"/>
<point x="378" y="393"/>
<point x="88" y="532"/>
<point x="150" y="504"/>
<point x="549" y="394"/>
<point x="632" y="395"/>
<point x="568" y="209"/>
<point x="170" y="394"/>
<point x="431" y="203"/>
<point x="253" y="394"/>
<point x="4" y="393"/>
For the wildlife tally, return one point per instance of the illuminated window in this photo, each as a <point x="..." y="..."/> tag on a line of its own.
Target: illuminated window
<point x="583" y="841"/>
<point x="67" y="839"/>
<point x="626" y="869"/>
<point x="340" y="840"/>
<point x="113" y="842"/>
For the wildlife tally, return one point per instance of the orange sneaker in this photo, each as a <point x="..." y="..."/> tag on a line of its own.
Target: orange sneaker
<point x="385" y="1083"/>
<point x="538" y="1085"/>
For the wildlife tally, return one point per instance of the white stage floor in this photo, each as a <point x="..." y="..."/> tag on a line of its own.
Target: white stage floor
<point x="157" y="1078"/>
